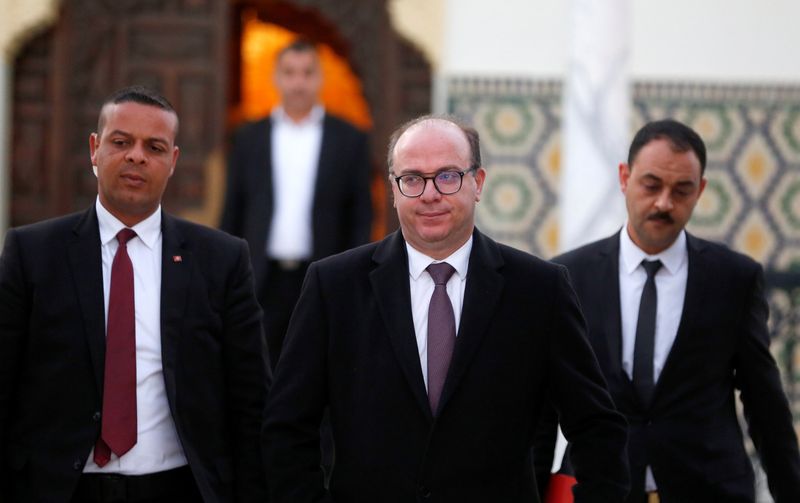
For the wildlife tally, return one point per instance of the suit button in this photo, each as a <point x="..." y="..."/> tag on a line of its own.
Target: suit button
<point x="77" y="464"/>
<point x="424" y="492"/>
<point x="96" y="417"/>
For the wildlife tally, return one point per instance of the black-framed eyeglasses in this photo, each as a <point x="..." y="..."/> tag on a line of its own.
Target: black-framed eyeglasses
<point x="445" y="182"/>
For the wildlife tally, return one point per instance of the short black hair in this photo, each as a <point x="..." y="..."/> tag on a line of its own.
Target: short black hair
<point x="473" y="138"/>
<point x="298" y="45"/>
<point x="137" y="94"/>
<point x="682" y="137"/>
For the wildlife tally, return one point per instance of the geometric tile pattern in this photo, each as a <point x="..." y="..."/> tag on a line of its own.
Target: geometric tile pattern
<point x="518" y="121"/>
<point x="753" y="139"/>
<point x="751" y="201"/>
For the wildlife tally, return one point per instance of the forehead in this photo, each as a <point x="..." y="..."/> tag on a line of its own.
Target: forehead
<point x="138" y="119"/>
<point x="660" y="157"/>
<point x="432" y="145"/>
<point x="297" y="58"/>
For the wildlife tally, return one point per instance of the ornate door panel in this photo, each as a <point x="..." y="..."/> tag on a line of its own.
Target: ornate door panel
<point x="61" y="77"/>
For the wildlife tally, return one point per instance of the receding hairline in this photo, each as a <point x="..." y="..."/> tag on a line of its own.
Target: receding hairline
<point x="140" y="94"/>
<point x="105" y="109"/>
<point x="469" y="134"/>
<point x="299" y="46"/>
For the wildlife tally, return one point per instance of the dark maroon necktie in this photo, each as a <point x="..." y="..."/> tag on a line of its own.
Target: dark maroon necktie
<point x="441" y="332"/>
<point x="118" y="432"/>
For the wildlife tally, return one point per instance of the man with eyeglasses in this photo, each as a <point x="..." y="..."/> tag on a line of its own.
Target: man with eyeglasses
<point x="436" y="349"/>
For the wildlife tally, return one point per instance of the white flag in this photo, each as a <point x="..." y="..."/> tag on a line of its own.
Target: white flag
<point x="596" y="122"/>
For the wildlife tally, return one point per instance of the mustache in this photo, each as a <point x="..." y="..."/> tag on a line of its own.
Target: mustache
<point x="661" y="215"/>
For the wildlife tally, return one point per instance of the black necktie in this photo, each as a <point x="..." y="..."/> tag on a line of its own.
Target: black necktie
<point x="643" y="349"/>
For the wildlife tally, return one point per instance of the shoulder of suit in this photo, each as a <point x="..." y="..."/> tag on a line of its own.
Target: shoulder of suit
<point x="524" y="266"/>
<point x="722" y="255"/>
<point x="585" y="251"/>
<point x="191" y="230"/>
<point x="341" y="124"/>
<point x="252" y="127"/>
<point x="50" y="226"/>
<point x="359" y="254"/>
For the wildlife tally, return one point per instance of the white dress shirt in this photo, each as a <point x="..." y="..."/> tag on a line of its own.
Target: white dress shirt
<point x="671" y="292"/>
<point x="157" y="446"/>
<point x="295" y="157"/>
<point x="422" y="287"/>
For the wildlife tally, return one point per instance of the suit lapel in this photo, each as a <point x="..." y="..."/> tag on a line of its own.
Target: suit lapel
<point x="608" y="303"/>
<point x="696" y="281"/>
<point x="326" y="173"/>
<point x="263" y="196"/>
<point x="87" y="272"/>
<point x="391" y="286"/>
<point x="264" y="171"/>
<point x="176" y="266"/>
<point x="481" y="294"/>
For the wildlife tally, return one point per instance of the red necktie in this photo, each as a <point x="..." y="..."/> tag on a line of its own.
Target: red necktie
<point x="441" y="332"/>
<point x="118" y="432"/>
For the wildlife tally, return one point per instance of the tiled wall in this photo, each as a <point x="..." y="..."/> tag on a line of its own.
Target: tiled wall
<point x="751" y="202"/>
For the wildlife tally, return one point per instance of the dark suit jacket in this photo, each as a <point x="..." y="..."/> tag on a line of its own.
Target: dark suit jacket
<point x="351" y="345"/>
<point x="691" y="436"/>
<point x="342" y="211"/>
<point x="52" y="351"/>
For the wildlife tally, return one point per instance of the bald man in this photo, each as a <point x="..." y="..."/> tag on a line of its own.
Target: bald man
<point x="436" y="349"/>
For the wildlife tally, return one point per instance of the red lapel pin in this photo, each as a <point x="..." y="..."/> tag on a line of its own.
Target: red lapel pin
<point x="177" y="258"/>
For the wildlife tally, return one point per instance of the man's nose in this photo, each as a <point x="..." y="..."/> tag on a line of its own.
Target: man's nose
<point x="664" y="201"/>
<point x="429" y="193"/>
<point x="136" y="153"/>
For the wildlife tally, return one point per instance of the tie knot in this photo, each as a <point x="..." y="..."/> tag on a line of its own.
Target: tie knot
<point x="125" y="235"/>
<point x="441" y="272"/>
<point x="651" y="267"/>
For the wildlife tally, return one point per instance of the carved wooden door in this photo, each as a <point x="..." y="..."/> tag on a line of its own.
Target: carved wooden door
<point x="97" y="46"/>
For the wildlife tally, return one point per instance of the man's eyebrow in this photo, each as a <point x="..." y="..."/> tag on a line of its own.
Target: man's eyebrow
<point x="440" y="170"/>
<point x="150" y="139"/>
<point x="651" y="176"/>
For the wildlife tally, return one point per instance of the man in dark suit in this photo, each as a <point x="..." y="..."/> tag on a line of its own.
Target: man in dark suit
<point x="435" y="384"/>
<point x="298" y="188"/>
<point x="132" y="357"/>
<point x="676" y="342"/>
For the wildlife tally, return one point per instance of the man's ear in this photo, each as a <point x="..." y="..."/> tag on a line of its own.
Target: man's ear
<point x="480" y="178"/>
<point x="175" y="153"/>
<point x="624" y="176"/>
<point x="94" y="143"/>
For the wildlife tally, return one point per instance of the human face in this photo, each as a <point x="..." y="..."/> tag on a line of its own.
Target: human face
<point x="298" y="79"/>
<point x="661" y="189"/>
<point x="432" y="223"/>
<point x="135" y="155"/>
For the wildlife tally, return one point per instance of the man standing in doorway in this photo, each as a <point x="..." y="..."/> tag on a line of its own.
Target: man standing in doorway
<point x="298" y="188"/>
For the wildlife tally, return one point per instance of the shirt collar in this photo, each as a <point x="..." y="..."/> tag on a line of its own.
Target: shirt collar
<point x="671" y="259"/>
<point x="314" y="116"/>
<point x="148" y="230"/>
<point x="459" y="259"/>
